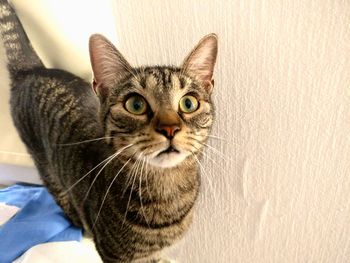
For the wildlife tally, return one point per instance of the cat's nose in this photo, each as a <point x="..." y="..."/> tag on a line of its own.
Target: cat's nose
<point x="168" y="123"/>
<point x="168" y="130"/>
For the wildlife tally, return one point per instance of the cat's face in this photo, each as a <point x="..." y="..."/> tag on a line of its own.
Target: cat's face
<point x="158" y="114"/>
<point x="164" y="114"/>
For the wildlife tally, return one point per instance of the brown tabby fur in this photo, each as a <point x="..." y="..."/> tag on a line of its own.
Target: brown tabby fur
<point x="132" y="208"/>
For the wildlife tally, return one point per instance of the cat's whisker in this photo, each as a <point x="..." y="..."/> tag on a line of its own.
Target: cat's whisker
<point x="209" y="136"/>
<point x="147" y="186"/>
<point x="205" y="176"/>
<point x="138" y="74"/>
<point x="128" y="69"/>
<point x="212" y="160"/>
<point x="114" y="156"/>
<point x="109" y="187"/>
<point x="217" y="138"/>
<point x="85" y="141"/>
<point x="85" y="175"/>
<point x="205" y="155"/>
<point x="140" y="192"/>
<point x="130" y="176"/>
<point x="131" y="189"/>
<point x="220" y="154"/>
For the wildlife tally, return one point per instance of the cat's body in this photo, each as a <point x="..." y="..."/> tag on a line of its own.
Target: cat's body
<point x="140" y="199"/>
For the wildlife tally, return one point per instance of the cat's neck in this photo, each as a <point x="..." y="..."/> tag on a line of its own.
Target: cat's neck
<point x="160" y="183"/>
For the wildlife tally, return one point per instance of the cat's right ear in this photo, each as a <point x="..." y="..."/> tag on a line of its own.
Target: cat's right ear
<point x="108" y="64"/>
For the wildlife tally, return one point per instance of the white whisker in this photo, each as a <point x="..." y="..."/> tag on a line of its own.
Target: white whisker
<point x="82" y="178"/>
<point x="206" y="176"/>
<point x="109" y="187"/>
<point x="131" y="189"/>
<point x="220" y="154"/>
<point x="140" y="192"/>
<point x="130" y="176"/>
<point x="86" y="141"/>
<point x="147" y="186"/>
<point x="217" y="137"/>
<point x="96" y="176"/>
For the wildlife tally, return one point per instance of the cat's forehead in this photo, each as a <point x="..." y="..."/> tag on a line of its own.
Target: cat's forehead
<point x="162" y="79"/>
<point x="161" y="86"/>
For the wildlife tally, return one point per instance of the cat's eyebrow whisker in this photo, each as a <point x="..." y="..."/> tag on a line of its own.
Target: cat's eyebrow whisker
<point x="85" y="141"/>
<point x="128" y="69"/>
<point x="109" y="187"/>
<point x="96" y="176"/>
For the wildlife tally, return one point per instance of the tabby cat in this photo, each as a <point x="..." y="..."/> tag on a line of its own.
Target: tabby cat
<point x="121" y="158"/>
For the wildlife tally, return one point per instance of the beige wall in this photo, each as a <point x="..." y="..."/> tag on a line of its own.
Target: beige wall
<point x="282" y="194"/>
<point x="282" y="97"/>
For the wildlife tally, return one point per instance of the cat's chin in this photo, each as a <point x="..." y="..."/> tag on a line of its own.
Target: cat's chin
<point x="167" y="159"/>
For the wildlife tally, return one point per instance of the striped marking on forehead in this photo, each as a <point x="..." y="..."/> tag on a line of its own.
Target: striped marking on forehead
<point x="137" y="83"/>
<point x="185" y="82"/>
<point x="151" y="82"/>
<point x="175" y="81"/>
<point x="161" y="79"/>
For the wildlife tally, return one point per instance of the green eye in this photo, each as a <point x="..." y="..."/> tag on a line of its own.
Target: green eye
<point x="136" y="105"/>
<point x="188" y="104"/>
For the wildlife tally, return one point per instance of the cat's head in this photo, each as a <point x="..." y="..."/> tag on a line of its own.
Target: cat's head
<point x="160" y="114"/>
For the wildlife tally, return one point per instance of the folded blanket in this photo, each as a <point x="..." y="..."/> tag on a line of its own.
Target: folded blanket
<point x="39" y="220"/>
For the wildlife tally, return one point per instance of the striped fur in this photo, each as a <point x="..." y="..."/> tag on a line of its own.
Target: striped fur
<point x="132" y="208"/>
<point x="20" y="54"/>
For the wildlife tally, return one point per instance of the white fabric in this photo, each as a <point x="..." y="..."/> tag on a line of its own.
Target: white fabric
<point x="6" y="212"/>
<point x="53" y="252"/>
<point x="60" y="252"/>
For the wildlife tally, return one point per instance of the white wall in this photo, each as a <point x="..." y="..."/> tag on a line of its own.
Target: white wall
<point x="282" y="96"/>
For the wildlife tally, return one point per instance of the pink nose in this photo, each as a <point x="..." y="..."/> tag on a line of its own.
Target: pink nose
<point x="168" y="130"/>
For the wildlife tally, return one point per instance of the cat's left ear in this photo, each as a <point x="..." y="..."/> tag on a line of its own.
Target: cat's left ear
<point x="201" y="61"/>
<point x="108" y="65"/>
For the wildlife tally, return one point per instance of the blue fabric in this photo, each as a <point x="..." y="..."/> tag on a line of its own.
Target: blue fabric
<point x="40" y="220"/>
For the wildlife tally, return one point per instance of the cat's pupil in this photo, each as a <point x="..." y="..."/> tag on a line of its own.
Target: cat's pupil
<point x="137" y="104"/>
<point x="188" y="103"/>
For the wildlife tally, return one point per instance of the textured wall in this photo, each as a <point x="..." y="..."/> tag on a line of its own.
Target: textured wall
<point x="281" y="176"/>
<point x="282" y="97"/>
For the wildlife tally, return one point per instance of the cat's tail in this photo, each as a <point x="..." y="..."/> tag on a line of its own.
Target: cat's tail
<point x="20" y="53"/>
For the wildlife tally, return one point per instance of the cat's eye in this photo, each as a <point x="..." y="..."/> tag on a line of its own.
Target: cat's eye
<point x="136" y="105"/>
<point x="188" y="104"/>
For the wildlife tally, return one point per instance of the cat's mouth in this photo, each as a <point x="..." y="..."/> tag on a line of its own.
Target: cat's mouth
<point x="169" y="157"/>
<point x="169" y="150"/>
